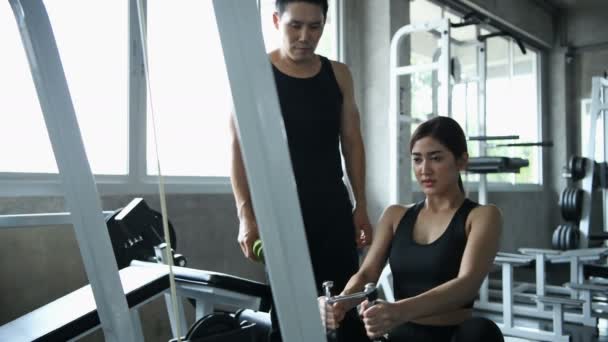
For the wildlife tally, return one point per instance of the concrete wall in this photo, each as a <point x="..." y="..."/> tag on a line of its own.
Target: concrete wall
<point x="528" y="220"/>
<point x="560" y="130"/>
<point x="579" y="53"/>
<point x="369" y="28"/>
<point x="586" y="34"/>
<point x="586" y="23"/>
<point x="525" y="15"/>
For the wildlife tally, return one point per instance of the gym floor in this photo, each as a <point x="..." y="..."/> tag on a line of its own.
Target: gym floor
<point x="578" y="333"/>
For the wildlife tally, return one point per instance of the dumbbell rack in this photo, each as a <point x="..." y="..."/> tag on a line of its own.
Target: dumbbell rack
<point x="508" y="263"/>
<point x="576" y="204"/>
<point x="566" y="236"/>
<point x="545" y="302"/>
<point x="509" y="293"/>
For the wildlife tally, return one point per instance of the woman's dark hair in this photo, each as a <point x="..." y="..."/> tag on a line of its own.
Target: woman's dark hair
<point x="449" y="134"/>
<point x="282" y="4"/>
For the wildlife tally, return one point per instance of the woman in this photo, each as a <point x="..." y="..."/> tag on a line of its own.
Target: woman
<point x="439" y="250"/>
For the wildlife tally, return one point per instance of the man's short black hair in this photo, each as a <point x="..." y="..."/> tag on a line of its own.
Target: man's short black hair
<point x="282" y="4"/>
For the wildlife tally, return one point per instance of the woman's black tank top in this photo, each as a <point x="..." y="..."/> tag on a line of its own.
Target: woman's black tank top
<point x="417" y="268"/>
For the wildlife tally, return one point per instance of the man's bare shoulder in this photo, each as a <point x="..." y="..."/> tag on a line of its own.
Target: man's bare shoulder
<point x="273" y="56"/>
<point x="343" y="75"/>
<point x="340" y="69"/>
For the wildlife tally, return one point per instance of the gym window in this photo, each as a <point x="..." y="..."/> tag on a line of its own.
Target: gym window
<point x="97" y="81"/>
<point x="190" y="96"/>
<point x="512" y="93"/>
<point x="190" y="91"/>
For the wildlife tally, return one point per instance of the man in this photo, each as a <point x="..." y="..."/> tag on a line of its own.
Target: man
<point x="321" y="119"/>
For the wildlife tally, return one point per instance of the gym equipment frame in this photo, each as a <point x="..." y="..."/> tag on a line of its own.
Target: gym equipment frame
<point x="266" y="157"/>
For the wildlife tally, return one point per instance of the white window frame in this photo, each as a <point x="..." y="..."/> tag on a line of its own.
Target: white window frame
<point x="473" y="186"/>
<point x="493" y="186"/>
<point x="23" y="184"/>
<point x="523" y="187"/>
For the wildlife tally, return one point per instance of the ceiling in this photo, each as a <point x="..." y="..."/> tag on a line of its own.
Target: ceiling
<point x="561" y="3"/>
<point x="569" y="4"/>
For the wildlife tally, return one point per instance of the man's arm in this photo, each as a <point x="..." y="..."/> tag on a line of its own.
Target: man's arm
<point x="353" y="151"/>
<point x="248" y="230"/>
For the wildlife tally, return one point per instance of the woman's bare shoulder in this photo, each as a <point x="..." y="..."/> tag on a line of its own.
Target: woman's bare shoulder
<point x="487" y="214"/>
<point x="394" y="213"/>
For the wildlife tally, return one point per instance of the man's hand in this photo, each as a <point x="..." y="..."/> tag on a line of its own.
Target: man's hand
<point x="363" y="229"/>
<point x="248" y="234"/>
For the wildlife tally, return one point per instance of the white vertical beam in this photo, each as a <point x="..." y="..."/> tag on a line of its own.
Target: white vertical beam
<point x="82" y="198"/>
<point x="482" y="62"/>
<point x="484" y="291"/>
<point x="540" y="94"/>
<point x="396" y="168"/>
<point x="266" y="156"/>
<point x="540" y="279"/>
<point x="339" y="30"/>
<point x="507" y="295"/>
<point x="575" y="271"/>
<point x="176" y="316"/>
<point x="603" y="108"/>
<point x="137" y="98"/>
<point x="558" y="319"/>
<point x="594" y="115"/>
<point x="394" y="119"/>
<point x="445" y="62"/>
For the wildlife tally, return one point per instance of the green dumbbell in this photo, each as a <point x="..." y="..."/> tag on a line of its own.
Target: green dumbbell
<point x="258" y="251"/>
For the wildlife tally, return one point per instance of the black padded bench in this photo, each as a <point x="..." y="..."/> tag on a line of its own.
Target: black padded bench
<point x="76" y="313"/>
<point x="496" y="164"/>
<point x="199" y="278"/>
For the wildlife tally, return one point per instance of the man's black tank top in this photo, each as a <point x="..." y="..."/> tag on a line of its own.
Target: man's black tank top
<point x="311" y="109"/>
<point x="418" y="268"/>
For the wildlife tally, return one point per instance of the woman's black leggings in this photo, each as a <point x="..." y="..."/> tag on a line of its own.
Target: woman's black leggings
<point x="474" y="329"/>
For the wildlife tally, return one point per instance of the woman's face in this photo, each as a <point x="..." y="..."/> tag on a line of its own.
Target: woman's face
<point x="436" y="168"/>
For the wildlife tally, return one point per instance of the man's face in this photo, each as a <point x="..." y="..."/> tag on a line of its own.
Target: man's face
<point x="301" y="27"/>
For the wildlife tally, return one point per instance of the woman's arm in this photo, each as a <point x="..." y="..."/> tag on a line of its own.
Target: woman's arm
<point x="481" y="248"/>
<point x="372" y="266"/>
